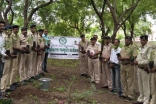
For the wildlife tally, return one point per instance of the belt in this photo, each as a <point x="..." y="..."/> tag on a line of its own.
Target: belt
<point x="114" y="63"/>
<point x="93" y="57"/>
<point x="125" y="63"/>
<point x="144" y="68"/>
<point x="141" y="67"/>
<point x="83" y="52"/>
<point x="27" y="52"/>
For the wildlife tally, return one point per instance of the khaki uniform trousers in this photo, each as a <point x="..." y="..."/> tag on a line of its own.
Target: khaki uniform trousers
<point x="14" y="70"/>
<point x="106" y="75"/>
<point x="42" y="59"/>
<point x="128" y="80"/>
<point x="24" y="68"/>
<point x="5" y="81"/>
<point x="144" y="86"/>
<point x="83" y="64"/>
<point x="93" y="65"/>
<point x="153" y="88"/>
<point x="39" y="64"/>
<point x="136" y="89"/>
<point x="33" y="63"/>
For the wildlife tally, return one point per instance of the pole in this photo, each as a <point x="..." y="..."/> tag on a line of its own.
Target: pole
<point x="1" y="72"/>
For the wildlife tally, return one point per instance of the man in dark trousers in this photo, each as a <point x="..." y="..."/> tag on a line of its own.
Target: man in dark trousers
<point x="45" y="36"/>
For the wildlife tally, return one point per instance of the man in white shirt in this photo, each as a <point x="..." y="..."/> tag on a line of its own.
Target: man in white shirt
<point x="2" y="51"/>
<point x="114" y="64"/>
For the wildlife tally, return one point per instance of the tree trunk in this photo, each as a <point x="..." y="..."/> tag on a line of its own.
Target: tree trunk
<point x="27" y="18"/>
<point x="7" y="11"/>
<point x="25" y="13"/>
<point x="132" y="30"/>
<point x="114" y="33"/>
<point x="1" y="18"/>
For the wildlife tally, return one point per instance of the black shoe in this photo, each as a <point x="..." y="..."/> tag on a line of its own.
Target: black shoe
<point x="87" y="76"/>
<point x="9" y="90"/>
<point x="37" y="77"/>
<point x="23" y="82"/>
<point x="137" y="102"/>
<point x="92" y="81"/>
<point x="30" y="80"/>
<point x="129" y="99"/>
<point x="16" y="84"/>
<point x="104" y="87"/>
<point x="46" y="71"/>
<point x="113" y="91"/>
<point x="12" y="88"/>
<point x="123" y="96"/>
<point x="119" y="94"/>
<point x="32" y="77"/>
<point x="82" y="74"/>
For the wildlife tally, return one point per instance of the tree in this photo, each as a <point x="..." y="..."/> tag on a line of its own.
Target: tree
<point x="120" y="14"/>
<point x="5" y="10"/>
<point x="28" y="13"/>
<point x="137" y="22"/>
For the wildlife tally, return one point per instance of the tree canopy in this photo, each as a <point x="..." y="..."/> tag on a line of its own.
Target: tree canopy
<point x="73" y="17"/>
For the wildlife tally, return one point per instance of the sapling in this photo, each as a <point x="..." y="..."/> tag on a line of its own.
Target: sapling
<point x="131" y="56"/>
<point x="82" y="49"/>
<point x="151" y="62"/>
<point x="7" y="46"/>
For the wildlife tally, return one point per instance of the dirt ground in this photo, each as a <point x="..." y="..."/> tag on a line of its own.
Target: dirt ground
<point x="66" y="87"/>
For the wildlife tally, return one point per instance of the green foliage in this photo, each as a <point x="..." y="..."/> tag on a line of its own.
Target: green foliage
<point x="84" y="95"/>
<point x="9" y="101"/>
<point x="61" y="89"/>
<point x="76" y="17"/>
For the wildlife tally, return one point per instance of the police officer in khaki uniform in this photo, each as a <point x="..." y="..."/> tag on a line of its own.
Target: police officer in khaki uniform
<point x="16" y="50"/>
<point x="128" y="53"/>
<point x="5" y="81"/>
<point x="106" y="71"/>
<point x="24" y="68"/>
<point x="153" y="81"/>
<point x="33" y="54"/>
<point x="40" y="57"/>
<point x="83" y="58"/>
<point x="143" y="74"/>
<point x="93" y="51"/>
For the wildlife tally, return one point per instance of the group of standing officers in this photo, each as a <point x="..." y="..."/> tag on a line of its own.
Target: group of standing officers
<point x="22" y="57"/>
<point x="121" y="66"/>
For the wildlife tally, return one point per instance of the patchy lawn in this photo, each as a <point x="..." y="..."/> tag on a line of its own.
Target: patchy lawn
<point x="66" y="87"/>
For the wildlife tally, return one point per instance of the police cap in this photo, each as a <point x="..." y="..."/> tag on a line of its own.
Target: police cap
<point x="15" y="26"/>
<point x="144" y="37"/>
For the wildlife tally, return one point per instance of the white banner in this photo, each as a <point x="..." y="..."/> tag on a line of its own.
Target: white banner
<point x="64" y="48"/>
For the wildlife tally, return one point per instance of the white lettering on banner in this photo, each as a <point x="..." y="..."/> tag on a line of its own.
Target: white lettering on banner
<point x="64" y="48"/>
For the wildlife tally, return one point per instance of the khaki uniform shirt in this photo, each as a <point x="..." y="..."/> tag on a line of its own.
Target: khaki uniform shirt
<point x="143" y="57"/>
<point x="83" y="44"/>
<point x="107" y="50"/>
<point x="94" y="49"/>
<point x="154" y="57"/>
<point x="15" y="40"/>
<point x="8" y="43"/>
<point x="23" y="40"/>
<point x="127" y="52"/>
<point x="41" y="41"/>
<point x="32" y="37"/>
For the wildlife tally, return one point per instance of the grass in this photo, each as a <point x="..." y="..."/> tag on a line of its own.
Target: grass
<point x="8" y="101"/>
<point x="64" y="63"/>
